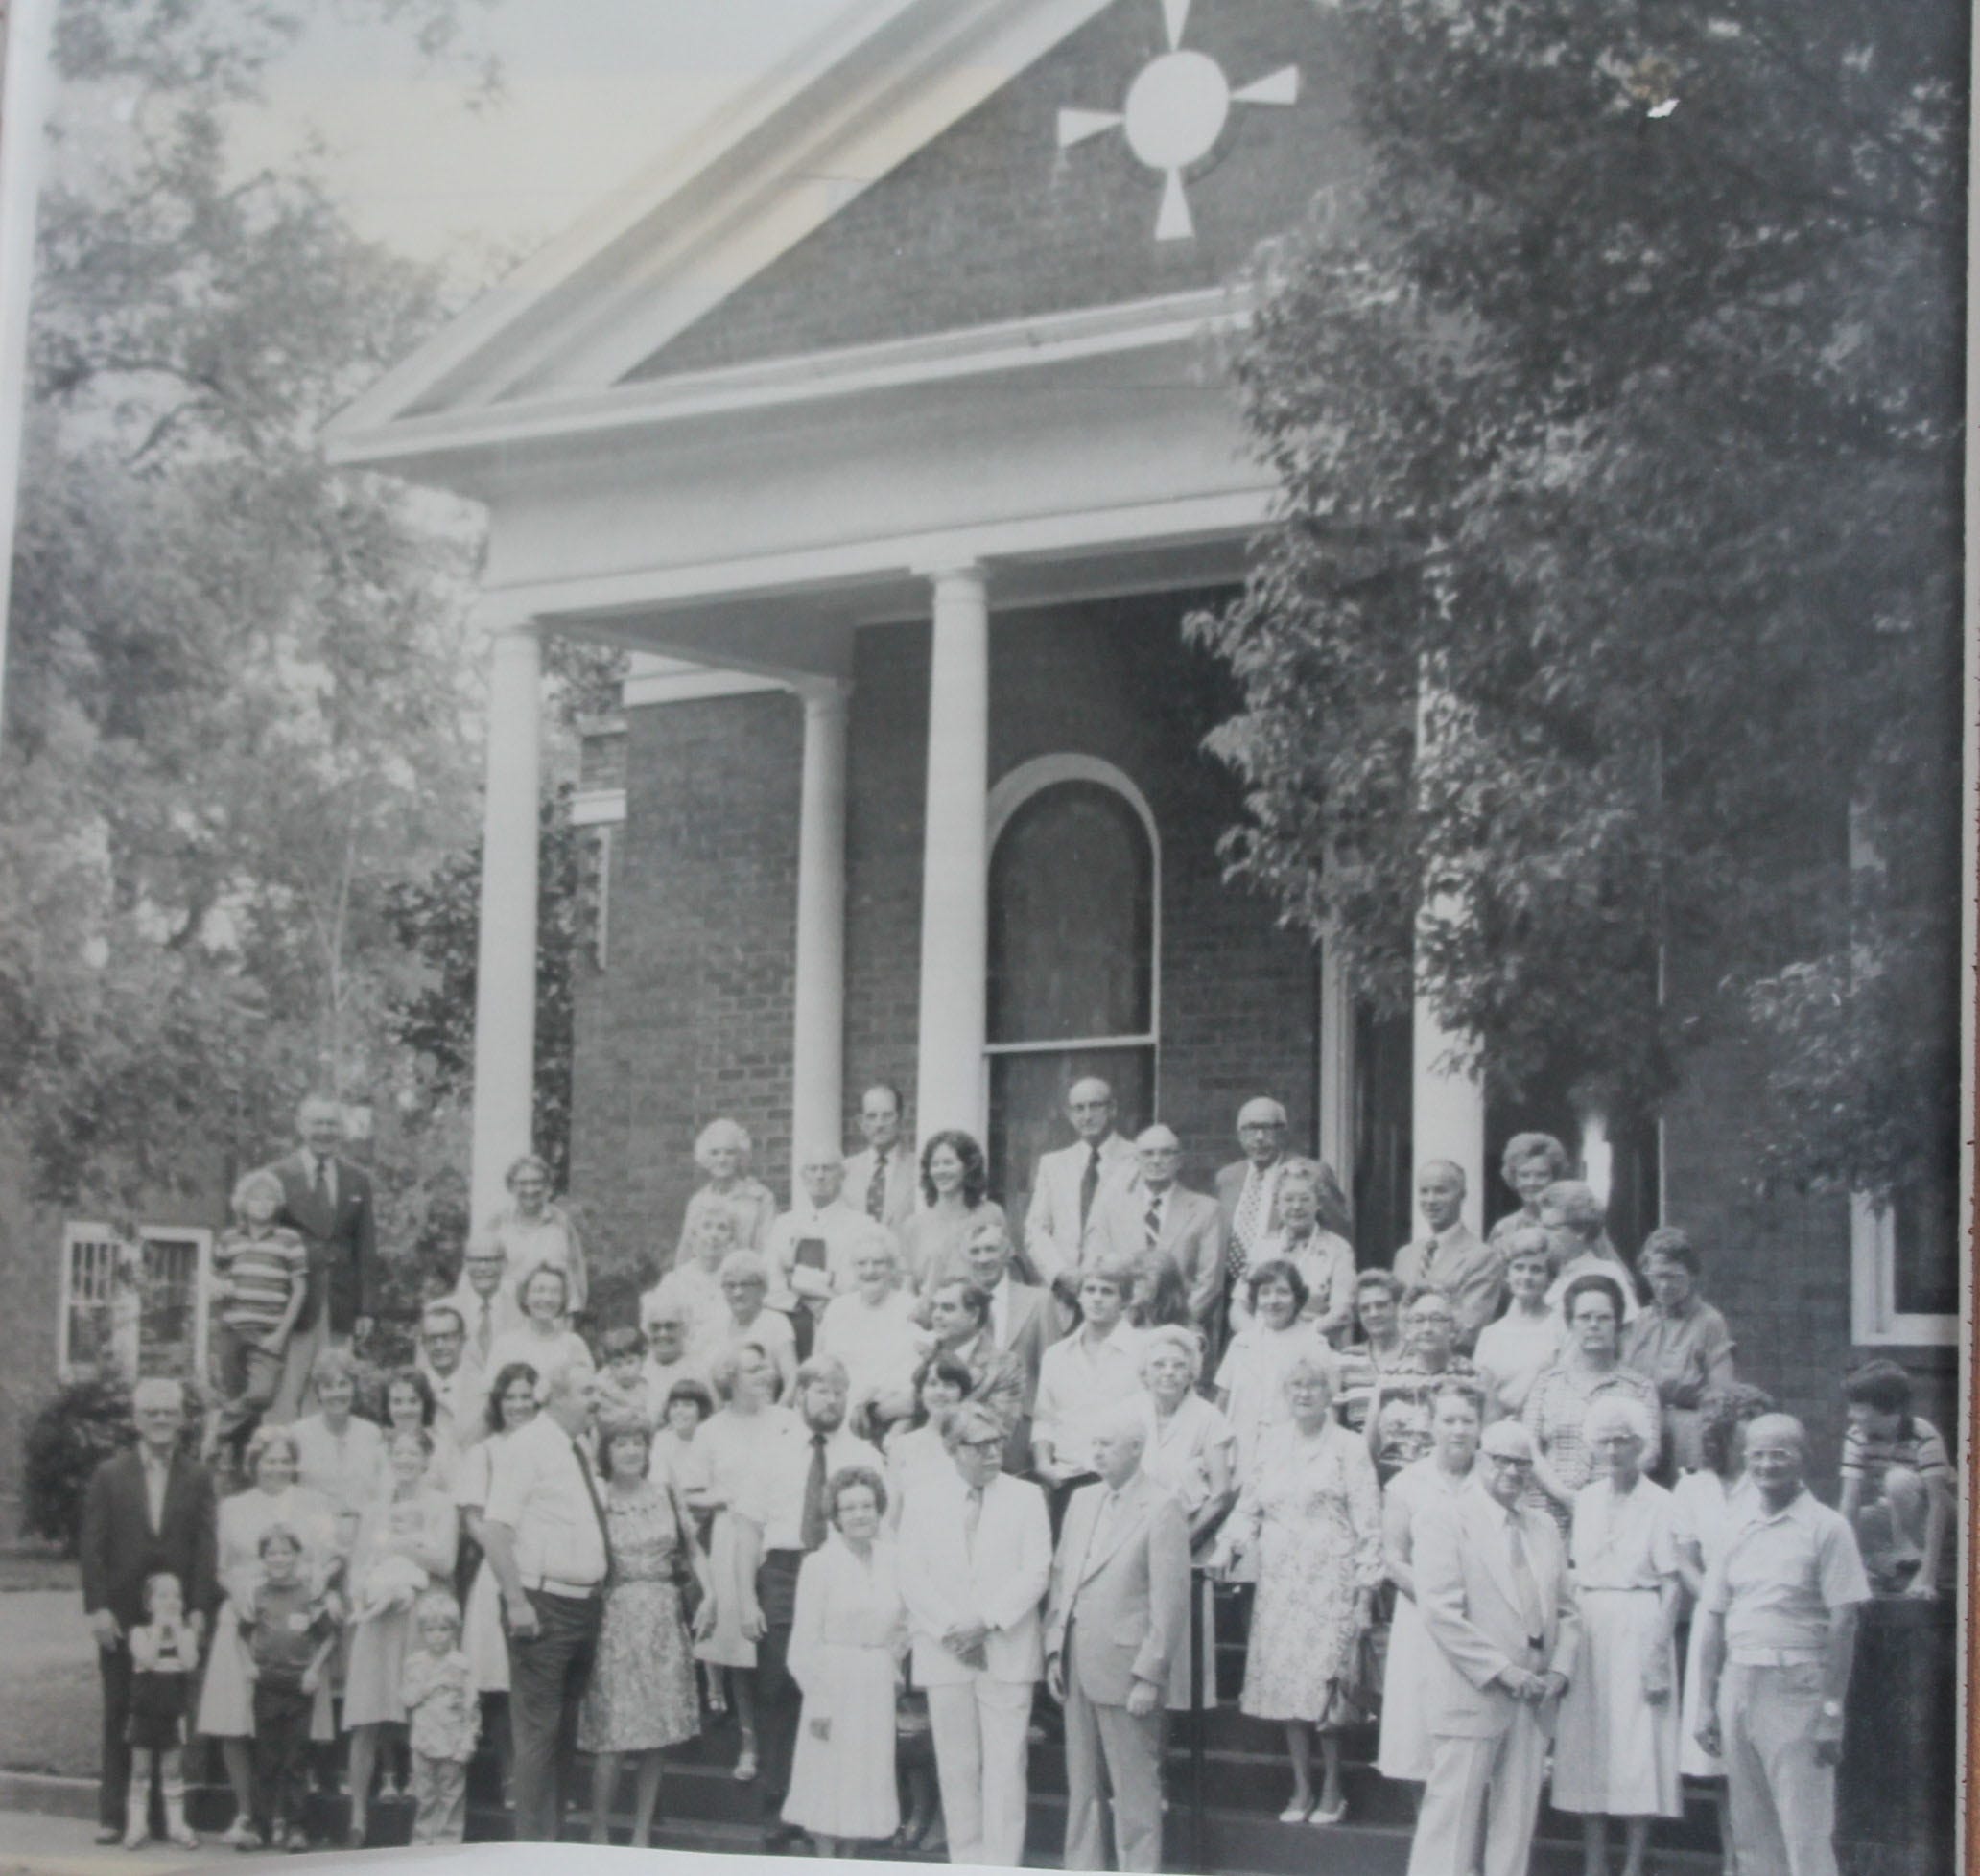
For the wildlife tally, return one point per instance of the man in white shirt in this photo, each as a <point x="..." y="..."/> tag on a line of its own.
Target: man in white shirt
<point x="882" y="1180"/>
<point x="486" y="1301"/>
<point x="1161" y="1218"/>
<point x="811" y="1246"/>
<point x="1072" y="1186"/>
<point x="1450" y="1257"/>
<point x="780" y="1519"/>
<point x="545" y="1526"/>
<point x="457" y="1385"/>
<point x="1081" y="1379"/>
<point x="976" y="1551"/>
<point x="664" y="1321"/>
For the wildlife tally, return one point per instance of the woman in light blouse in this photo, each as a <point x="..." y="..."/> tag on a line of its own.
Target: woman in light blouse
<point x="1680" y="1344"/>
<point x="535" y="1228"/>
<point x="544" y="1341"/>
<point x="340" y="1456"/>
<point x="723" y="1150"/>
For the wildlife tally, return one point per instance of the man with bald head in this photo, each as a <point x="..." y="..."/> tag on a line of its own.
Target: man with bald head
<point x="1116" y="1617"/>
<point x="1247" y="1189"/>
<point x="1779" y="1612"/>
<point x="1163" y="1219"/>
<point x="1493" y="1590"/>
<point x="1072" y="1186"/>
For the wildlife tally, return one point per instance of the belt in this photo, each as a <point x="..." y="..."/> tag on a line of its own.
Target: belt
<point x="1776" y="1658"/>
<point x="573" y="1592"/>
<point x="1616" y="1589"/>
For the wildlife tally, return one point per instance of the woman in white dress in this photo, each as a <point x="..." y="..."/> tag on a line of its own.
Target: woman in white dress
<point x="544" y="1339"/>
<point x="406" y="1540"/>
<point x="848" y="1637"/>
<point x="511" y="1404"/>
<point x="340" y="1456"/>
<point x="535" y="1228"/>
<point x="734" y="1443"/>
<point x="1615" y="1745"/>
<point x="1704" y="1507"/>
<point x="227" y="1696"/>
<point x="913" y="1447"/>
<point x="1456" y="1420"/>
<point x="1190" y="1450"/>
<point x="1251" y="1379"/>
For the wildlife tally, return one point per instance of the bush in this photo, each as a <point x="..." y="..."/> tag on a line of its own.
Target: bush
<point x="67" y="1440"/>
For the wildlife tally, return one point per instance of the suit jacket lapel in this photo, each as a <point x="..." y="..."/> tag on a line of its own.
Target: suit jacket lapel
<point x="1488" y="1523"/>
<point x="1128" y="1518"/>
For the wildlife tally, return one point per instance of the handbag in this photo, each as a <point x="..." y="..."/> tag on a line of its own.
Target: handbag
<point x="685" y="1582"/>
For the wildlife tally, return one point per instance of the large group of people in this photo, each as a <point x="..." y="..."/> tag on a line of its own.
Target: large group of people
<point x="864" y="1473"/>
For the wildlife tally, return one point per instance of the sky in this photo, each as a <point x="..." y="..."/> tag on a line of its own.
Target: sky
<point x="593" y="92"/>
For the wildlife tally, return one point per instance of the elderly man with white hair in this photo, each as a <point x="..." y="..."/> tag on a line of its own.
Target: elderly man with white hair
<point x="1780" y="1607"/>
<point x="1072" y="1188"/>
<point x="976" y="1554"/>
<point x="1116" y="1616"/>
<point x="811" y="1246"/>
<point x="1617" y="1754"/>
<point x="1162" y="1220"/>
<point x="1247" y="1190"/>
<point x="1492" y="1588"/>
<point x="544" y="1528"/>
<point x="873" y="1328"/>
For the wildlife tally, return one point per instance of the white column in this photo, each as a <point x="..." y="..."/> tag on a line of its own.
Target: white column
<point x="817" y="1049"/>
<point x="955" y="894"/>
<point x="1447" y="1098"/>
<point x="504" y="1064"/>
<point x="1337" y="1077"/>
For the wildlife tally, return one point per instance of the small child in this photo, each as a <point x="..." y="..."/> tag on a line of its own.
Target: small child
<point x="289" y="1633"/>
<point x="675" y="1455"/>
<point x="443" y="1707"/>
<point x="623" y="1392"/>
<point x="164" y="1657"/>
<point x="261" y="1276"/>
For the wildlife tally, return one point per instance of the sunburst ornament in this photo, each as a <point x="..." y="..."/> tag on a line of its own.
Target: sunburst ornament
<point x="1175" y="111"/>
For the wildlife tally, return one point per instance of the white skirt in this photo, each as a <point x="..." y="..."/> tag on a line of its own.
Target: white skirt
<point x="726" y="1646"/>
<point x="844" y="1785"/>
<point x="227" y="1696"/>
<point x="482" y="1638"/>
<point x="1404" y="1750"/>
<point x="1615" y="1755"/>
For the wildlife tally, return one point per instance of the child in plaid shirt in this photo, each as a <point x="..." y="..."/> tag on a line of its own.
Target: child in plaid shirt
<point x="443" y="1711"/>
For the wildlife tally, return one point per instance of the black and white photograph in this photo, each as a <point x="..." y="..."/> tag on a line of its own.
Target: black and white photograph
<point x="1006" y="932"/>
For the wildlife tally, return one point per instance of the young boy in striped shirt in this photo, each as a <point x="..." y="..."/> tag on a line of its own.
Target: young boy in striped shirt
<point x="261" y="1276"/>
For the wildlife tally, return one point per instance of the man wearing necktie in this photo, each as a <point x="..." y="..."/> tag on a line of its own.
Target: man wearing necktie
<point x="545" y="1531"/>
<point x="485" y="1298"/>
<point x="1492" y="1588"/>
<point x="779" y="1522"/>
<point x="1072" y="1187"/>
<point x="1450" y="1257"/>
<point x="882" y="1180"/>
<point x="1116" y="1616"/>
<point x="1162" y="1219"/>
<point x="327" y="1200"/>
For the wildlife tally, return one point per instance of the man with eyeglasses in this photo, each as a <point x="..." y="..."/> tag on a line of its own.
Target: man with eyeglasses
<point x="1493" y="1590"/>
<point x="976" y="1553"/>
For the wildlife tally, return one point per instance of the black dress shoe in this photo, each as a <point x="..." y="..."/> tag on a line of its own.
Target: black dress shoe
<point x="108" y="1834"/>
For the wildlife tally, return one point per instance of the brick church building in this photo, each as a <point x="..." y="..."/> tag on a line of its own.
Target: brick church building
<point x="887" y="424"/>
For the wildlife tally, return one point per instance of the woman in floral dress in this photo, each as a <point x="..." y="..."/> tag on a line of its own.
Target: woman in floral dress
<point x="641" y="1699"/>
<point x="1310" y="1511"/>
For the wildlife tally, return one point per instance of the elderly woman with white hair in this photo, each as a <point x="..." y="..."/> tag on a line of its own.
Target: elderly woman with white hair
<point x="1615" y="1751"/>
<point x="872" y="1328"/>
<point x="723" y="1150"/>
<point x="533" y="1229"/>
<point x="746" y="1286"/>
<point x="1309" y="1511"/>
<point x="1324" y="1259"/>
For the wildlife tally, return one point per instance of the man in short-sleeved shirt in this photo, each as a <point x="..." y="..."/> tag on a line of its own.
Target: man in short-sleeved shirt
<point x="1780" y="1610"/>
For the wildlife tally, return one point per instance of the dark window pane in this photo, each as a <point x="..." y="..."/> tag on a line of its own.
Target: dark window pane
<point x="1384" y="1065"/>
<point x="1028" y="1109"/>
<point x="1926" y="1238"/>
<point x="1072" y="919"/>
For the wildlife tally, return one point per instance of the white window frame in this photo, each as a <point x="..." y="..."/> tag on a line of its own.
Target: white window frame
<point x="1875" y="1319"/>
<point x="127" y="1263"/>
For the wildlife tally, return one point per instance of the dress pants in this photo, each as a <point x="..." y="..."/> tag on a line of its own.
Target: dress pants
<point x="547" y="1675"/>
<point x="1131" y="1750"/>
<point x="295" y="1394"/>
<point x="979" y="1728"/>
<point x="1782" y="1802"/>
<point x="1481" y="1801"/>
<point x="778" y="1697"/>
<point x="114" y="1663"/>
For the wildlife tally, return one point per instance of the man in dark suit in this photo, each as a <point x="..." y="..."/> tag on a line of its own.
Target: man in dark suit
<point x="148" y="1510"/>
<point x="1163" y="1219"/>
<point x="328" y="1201"/>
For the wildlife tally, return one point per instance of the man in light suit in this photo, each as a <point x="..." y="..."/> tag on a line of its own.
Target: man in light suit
<point x="328" y="1201"/>
<point x="976" y="1553"/>
<point x="1165" y="1219"/>
<point x="1450" y="1257"/>
<point x="882" y="1180"/>
<point x="1073" y="1186"/>
<point x="1492" y="1588"/>
<point x="1024" y="1318"/>
<point x="1116" y="1619"/>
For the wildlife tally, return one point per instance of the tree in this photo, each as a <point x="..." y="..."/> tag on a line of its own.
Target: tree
<point x="1617" y="421"/>
<point x="241" y="697"/>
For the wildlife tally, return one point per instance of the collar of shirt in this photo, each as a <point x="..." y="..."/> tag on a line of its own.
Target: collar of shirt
<point x="1797" y="1508"/>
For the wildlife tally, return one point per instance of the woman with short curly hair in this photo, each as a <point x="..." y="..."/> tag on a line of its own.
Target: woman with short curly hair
<point x="722" y="1151"/>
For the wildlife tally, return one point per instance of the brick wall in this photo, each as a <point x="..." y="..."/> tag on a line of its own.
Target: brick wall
<point x="991" y="220"/>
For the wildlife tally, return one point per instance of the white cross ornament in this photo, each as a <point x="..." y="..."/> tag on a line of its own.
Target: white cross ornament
<point x="1175" y="111"/>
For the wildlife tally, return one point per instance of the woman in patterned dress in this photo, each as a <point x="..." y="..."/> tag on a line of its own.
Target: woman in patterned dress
<point x="1616" y="1745"/>
<point x="641" y="1699"/>
<point x="1310" y="1511"/>
<point x="1457" y="1417"/>
<point x="1589" y="1366"/>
